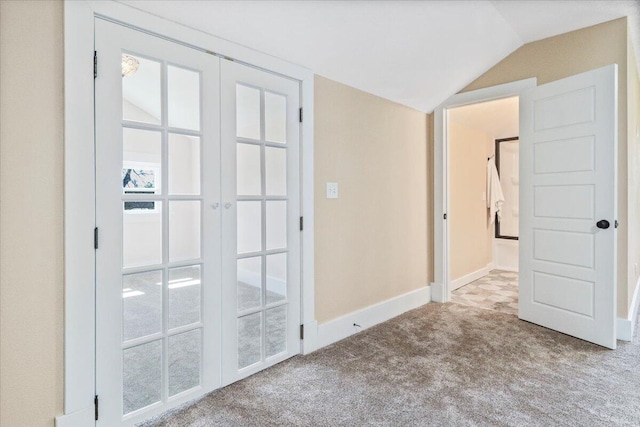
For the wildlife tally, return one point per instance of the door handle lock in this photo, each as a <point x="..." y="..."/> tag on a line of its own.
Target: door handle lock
<point x="603" y="223"/>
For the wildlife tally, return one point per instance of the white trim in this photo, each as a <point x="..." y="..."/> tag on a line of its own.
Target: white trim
<point x="626" y="327"/>
<point x="441" y="172"/>
<point x="79" y="347"/>
<point x="307" y="307"/>
<point x="343" y="327"/>
<point x="437" y="292"/>
<point x="79" y="210"/>
<point x="468" y="278"/>
<point x="84" y="417"/>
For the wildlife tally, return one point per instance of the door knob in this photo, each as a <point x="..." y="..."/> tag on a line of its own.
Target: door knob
<point x="227" y="205"/>
<point x="603" y="223"/>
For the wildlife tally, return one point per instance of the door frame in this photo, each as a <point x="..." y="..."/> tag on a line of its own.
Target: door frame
<point x="79" y="195"/>
<point x="440" y="288"/>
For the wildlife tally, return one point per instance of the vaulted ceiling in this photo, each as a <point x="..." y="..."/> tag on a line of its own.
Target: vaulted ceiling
<point x="416" y="53"/>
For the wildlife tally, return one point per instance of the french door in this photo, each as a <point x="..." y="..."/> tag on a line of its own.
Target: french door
<point x="261" y="233"/>
<point x="197" y="262"/>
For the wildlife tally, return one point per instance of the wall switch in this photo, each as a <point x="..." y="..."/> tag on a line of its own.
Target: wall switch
<point x="332" y="190"/>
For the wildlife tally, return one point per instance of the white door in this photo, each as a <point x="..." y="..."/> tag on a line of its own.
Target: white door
<point x="260" y="219"/>
<point x="568" y="140"/>
<point x="158" y="268"/>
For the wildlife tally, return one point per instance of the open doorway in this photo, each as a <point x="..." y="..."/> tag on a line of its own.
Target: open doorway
<point x="567" y="201"/>
<point x="484" y="204"/>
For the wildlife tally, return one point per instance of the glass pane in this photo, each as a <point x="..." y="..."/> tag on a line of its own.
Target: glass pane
<point x="142" y="376"/>
<point x="184" y="230"/>
<point x="247" y="112"/>
<point x="184" y="361"/>
<point x="141" y="161"/>
<point x="276" y="171"/>
<point x="248" y="170"/>
<point x="276" y="330"/>
<point x="249" y="283"/>
<point x="183" y="98"/>
<point x="141" y="89"/>
<point x="276" y="224"/>
<point x="184" y="296"/>
<point x="249" y="340"/>
<point x="141" y="233"/>
<point x="141" y="304"/>
<point x="276" y="277"/>
<point x="249" y="227"/>
<point x="184" y="164"/>
<point x="275" y="116"/>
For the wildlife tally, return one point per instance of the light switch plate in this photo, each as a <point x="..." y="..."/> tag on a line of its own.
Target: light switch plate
<point x="332" y="190"/>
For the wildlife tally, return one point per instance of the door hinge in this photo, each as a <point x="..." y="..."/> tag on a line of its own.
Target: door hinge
<point x="95" y="404"/>
<point x="95" y="64"/>
<point x="301" y="223"/>
<point x="301" y="332"/>
<point x="300" y="115"/>
<point x="445" y="216"/>
<point x="95" y="238"/>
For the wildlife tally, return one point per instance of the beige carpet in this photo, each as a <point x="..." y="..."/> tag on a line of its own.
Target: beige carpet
<point x="442" y="364"/>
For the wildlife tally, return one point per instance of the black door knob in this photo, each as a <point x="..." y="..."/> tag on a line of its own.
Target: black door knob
<point x="603" y="223"/>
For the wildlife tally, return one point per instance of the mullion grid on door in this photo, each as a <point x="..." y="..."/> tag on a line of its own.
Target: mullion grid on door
<point x="167" y="264"/>
<point x="263" y="198"/>
<point x="170" y="265"/>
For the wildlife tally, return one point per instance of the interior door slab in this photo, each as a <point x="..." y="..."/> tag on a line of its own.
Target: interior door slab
<point x="568" y="182"/>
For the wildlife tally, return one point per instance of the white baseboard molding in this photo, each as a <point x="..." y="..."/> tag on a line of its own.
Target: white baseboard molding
<point x="465" y="280"/>
<point x="82" y="418"/>
<point x="342" y="327"/>
<point x="625" y="327"/>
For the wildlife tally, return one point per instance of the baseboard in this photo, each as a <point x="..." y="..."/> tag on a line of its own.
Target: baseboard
<point x="343" y="327"/>
<point x="625" y="327"/>
<point x="465" y="280"/>
<point x="83" y="418"/>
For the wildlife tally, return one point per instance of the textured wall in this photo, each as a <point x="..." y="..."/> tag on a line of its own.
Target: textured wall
<point x="371" y="243"/>
<point x="471" y="238"/>
<point x="31" y="207"/>
<point x="565" y="55"/>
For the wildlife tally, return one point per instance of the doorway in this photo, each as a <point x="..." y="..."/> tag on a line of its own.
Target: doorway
<point x="197" y="215"/>
<point x="483" y="144"/>
<point x="568" y="201"/>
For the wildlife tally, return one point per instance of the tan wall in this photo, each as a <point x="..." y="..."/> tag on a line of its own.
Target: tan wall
<point x="31" y="203"/>
<point x="471" y="232"/>
<point x="634" y="170"/>
<point x="371" y="243"/>
<point x="565" y="55"/>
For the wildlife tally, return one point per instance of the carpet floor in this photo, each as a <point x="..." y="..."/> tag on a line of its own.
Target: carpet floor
<point x="441" y="364"/>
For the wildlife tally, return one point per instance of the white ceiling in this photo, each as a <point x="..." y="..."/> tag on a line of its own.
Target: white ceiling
<point x="416" y="53"/>
<point x="498" y="119"/>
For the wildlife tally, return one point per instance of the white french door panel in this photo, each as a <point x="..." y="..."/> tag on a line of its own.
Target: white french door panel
<point x="568" y="205"/>
<point x="158" y="272"/>
<point x="260" y="219"/>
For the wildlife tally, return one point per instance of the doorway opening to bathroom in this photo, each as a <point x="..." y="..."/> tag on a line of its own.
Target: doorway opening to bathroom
<point x="483" y="144"/>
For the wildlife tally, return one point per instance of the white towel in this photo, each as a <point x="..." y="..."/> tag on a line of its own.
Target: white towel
<point x="495" y="197"/>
